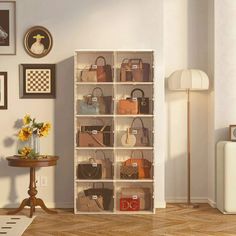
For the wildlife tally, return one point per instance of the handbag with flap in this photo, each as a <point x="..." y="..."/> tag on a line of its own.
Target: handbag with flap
<point x="129" y="171"/>
<point x="94" y="136"/>
<point x="90" y="203"/>
<point x="136" y="136"/>
<point x="91" y="170"/>
<point x="105" y="193"/>
<point x="143" y="165"/>
<point x="92" y="104"/>
<point x="134" y="70"/>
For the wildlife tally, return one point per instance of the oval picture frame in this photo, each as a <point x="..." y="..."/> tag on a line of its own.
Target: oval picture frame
<point x="38" y="41"/>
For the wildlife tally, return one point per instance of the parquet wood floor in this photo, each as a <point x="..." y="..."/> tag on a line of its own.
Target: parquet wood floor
<point x="172" y="221"/>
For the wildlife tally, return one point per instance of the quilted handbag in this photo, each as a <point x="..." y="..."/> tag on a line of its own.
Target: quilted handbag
<point x="90" y="203"/>
<point x="105" y="193"/>
<point x="136" y="135"/>
<point x="143" y="165"/>
<point x="92" y="104"/>
<point x="94" y="136"/>
<point x="92" y="170"/>
<point x="129" y="172"/>
<point x="134" y="70"/>
<point x="104" y="72"/>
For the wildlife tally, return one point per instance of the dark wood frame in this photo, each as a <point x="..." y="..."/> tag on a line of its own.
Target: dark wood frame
<point x="4" y="107"/>
<point x="14" y="22"/>
<point x="29" y="31"/>
<point x="230" y="138"/>
<point x="24" y="94"/>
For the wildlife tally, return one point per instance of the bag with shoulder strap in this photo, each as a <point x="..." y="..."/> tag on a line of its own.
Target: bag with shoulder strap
<point x="136" y="135"/>
<point x="134" y="70"/>
<point x="94" y="136"/>
<point x="95" y="104"/>
<point x="143" y="165"/>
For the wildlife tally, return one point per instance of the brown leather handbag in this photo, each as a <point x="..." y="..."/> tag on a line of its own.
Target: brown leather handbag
<point x="104" y="72"/>
<point x="129" y="171"/>
<point x="94" y="136"/>
<point x="134" y="70"/>
<point x="143" y="165"/>
<point x="143" y="102"/>
<point x="90" y="203"/>
<point x="128" y="106"/>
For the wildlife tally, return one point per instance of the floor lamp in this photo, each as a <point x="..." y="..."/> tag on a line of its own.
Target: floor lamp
<point x="188" y="80"/>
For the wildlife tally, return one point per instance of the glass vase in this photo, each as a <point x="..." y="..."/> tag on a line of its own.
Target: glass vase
<point x="35" y="143"/>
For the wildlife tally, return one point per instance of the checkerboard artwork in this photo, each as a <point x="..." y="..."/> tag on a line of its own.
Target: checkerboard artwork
<point x="38" y="81"/>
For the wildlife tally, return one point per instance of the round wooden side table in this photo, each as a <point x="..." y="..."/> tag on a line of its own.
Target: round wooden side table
<point x="32" y="201"/>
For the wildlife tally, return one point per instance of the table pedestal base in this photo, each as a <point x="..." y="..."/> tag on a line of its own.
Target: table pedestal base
<point x="32" y="201"/>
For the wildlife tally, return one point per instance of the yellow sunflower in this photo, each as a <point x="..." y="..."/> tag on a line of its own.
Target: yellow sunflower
<point x="43" y="132"/>
<point x="25" y="151"/>
<point x="26" y="119"/>
<point x="25" y="133"/>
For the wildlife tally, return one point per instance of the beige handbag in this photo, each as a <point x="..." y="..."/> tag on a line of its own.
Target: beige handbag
<point x="88" y="75"/>
<point x="90" y="203"/>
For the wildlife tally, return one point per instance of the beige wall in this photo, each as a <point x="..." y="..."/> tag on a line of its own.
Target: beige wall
<point x="74" y="24"/>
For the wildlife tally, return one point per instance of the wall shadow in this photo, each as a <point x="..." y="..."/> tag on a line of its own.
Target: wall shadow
<point x="64" y="133"/>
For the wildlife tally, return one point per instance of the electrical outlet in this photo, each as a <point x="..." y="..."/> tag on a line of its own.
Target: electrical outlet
<point x="44" y="181"/>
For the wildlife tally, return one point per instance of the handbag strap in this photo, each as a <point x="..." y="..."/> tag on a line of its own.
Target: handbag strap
<point x="94" y="185"/>
<point x="104" y="156"/>
<point x="140" y="151"/>
<point x="94" y="138"/>
<point x="100" y="57"/>
<point x="137" y="118"/>
<point x="137" y="89"/>
<point x="97" y="88"/>
<point x="139" y="60"/>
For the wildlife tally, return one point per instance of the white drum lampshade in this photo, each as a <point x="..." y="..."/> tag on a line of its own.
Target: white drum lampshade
<point x="188" y="80"/>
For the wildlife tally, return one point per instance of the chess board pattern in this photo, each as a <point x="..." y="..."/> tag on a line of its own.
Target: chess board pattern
<point x="38" y="81"/>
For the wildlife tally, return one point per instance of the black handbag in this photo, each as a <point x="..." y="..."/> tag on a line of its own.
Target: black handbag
<point x="89" y="171"/>
<point x="143" y="102"/>
<point x="106" y="193"/>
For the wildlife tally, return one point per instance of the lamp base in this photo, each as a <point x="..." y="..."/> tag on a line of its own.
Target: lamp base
<point x="189" y="205"/>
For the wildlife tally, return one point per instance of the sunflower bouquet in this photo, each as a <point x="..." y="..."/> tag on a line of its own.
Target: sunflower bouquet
<point x="31" y="129"/>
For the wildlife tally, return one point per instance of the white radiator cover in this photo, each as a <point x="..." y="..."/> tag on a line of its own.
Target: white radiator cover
<point x="226" y="177"/>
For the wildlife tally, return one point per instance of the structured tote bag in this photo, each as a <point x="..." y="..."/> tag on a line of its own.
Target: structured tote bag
<point x="134" y="70"/>
<point x="107" y="168"/>
<point x="91" y="170"/>
<point x="94" y="135"/>
<point x="105" y="193"/>
<point x="88" y="75"/>
<point x="104" y="71"/>
<point x="90" y="203"/>
<point x="136" y="135"/>
<point x="143" y="102"/>
<point x="95" y="104"/>
<point x="143" y="165"/>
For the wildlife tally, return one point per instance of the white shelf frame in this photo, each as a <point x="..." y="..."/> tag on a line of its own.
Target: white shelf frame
<point x="115" y="84"/>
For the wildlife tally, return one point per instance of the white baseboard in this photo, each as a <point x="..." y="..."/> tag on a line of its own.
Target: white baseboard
<point x="48" y="204"/>
<point x="211" y="203"/>
<point x="194" y="200"/>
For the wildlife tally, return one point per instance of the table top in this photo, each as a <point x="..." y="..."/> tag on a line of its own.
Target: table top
<point x="47" y="160"/>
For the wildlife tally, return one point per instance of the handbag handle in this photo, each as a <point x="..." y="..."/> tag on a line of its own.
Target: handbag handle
<point x="137" y="118"/>
<point x="137" y="89"/>
<point x="100" y="57"/>
<point x="94" y="187"/>
<point x="139" y="60"/>
<point x="97" y="88"/>
<point x="137" y="151"/>
<point x="104" y="156"/>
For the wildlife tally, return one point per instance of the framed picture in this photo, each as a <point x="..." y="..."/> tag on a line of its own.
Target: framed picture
<point x="37" y="81"/>
<point x="232" y="133"/>
<point x="3" y="90"/>
<point x="7" y="28"/>
<point x="38" y="41"/>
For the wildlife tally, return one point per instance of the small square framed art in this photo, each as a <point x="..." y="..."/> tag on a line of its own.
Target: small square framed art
<point x="37" y="81"/>
<point x="3" y="90"/>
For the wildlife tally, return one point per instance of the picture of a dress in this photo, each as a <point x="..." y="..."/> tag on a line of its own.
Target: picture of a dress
<point x="38" y="41"/>
<point x="4" y="28"/>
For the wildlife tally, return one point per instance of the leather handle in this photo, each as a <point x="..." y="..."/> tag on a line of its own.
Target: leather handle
<point x="137" y="89"/>
<point x="100" y="57"/>
<point x="139" y="60"/>
<point x="137" y="118"/>
<point x="140" y="151"/>
<point x="104" y="156"/>
<point x="97" y="88"/>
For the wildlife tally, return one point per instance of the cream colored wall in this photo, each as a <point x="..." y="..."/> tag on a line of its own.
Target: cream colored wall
<point x="186" y="46"/>
<point x="74" y="24"/>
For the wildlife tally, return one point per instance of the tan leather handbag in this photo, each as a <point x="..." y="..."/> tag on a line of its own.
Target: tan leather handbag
<point x="90" y="203"/>
<point x="88" y="75"/>
<point x="134" y="70"/>
<point x="128" y="106"/>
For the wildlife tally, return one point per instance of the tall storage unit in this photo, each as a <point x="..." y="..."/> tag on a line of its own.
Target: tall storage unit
<point x="118" y="192"/>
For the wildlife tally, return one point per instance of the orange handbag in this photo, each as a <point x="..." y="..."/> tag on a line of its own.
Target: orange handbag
<point x="128" y="106"/>
<point x="144" y="165"/>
